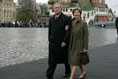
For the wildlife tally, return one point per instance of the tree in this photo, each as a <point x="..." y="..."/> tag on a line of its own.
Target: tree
<point x="43" y="9"/>
<point x="26" y="10"/>
<point x="110" y="11"/>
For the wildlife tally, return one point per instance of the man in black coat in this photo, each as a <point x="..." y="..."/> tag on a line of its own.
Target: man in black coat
<point x="59" y="32"/>
<point x="116" y="22"/>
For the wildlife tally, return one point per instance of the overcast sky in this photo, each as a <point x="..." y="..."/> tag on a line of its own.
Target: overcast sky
<point x="111" y="4"/>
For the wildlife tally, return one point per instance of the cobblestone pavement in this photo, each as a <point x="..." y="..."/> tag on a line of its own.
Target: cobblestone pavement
<point x="20" y="45"/>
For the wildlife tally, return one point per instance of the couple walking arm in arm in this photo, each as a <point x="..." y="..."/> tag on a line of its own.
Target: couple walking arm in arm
<point x="61" y="37"/>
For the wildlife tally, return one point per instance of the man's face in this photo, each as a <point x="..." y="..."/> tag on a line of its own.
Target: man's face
<point x="57" y="9"/>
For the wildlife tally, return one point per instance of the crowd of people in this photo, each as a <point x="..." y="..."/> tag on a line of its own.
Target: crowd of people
<point x="24" y="24"/>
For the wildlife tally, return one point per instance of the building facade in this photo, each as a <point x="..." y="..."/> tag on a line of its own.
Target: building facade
<point x="93" y="10"/>
<point x="84" y="4"/>
<point x="101" y="10"/>
<point x="99" y="3"/>
<point x="65" y="3"/>
<point x="7" y="11"/>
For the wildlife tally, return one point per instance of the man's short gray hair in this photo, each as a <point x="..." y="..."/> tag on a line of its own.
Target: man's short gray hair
<point x="57" y="4"/>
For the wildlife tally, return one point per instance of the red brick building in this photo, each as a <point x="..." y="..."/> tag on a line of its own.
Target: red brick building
<point x="87" y="5"/>
<point x="82" y="3"/>
<point x="102" y="7"/>
<point x="99" y="3"/>
<point x="65" y="3"/>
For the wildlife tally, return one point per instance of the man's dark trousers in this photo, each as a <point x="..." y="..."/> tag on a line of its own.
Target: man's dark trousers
<point x="52" y="67"/>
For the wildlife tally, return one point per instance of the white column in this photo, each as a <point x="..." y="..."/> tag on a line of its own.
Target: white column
<point x="100" y="1"/>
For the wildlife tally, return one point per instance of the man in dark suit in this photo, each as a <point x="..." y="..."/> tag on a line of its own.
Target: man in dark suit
<point x="59" y="32"/>
<point x="116" y="22"/>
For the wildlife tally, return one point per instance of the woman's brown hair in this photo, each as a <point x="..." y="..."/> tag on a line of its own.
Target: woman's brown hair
<point x="77" y="8"/>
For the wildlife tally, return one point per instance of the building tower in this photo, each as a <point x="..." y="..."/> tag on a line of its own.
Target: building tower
<point x="99" y="3"/>
<point x="84" y="4"/>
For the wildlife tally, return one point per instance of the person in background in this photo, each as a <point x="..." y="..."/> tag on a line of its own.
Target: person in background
<point x="116" y="23"/>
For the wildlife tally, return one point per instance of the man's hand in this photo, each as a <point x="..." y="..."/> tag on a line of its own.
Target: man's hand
<point x="63" y="44"/>
<point x="84" y="50"/>
<point x="67" y="27"/>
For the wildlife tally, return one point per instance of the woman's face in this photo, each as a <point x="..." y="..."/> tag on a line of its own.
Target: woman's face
<point x="77" y="14"/>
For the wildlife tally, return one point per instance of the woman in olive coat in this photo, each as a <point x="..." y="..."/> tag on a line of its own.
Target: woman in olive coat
<point x="78" y="42"/>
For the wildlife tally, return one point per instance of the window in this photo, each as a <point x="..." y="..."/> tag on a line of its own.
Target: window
<point x="4" y="13"/>
<point x="63" y="10"/>
<point x="71" y="10"/>
<point x="66" y="10"/>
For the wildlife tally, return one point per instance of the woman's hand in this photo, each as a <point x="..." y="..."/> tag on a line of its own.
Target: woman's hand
<point x="63" y="44"/>
<point x="67" y="27"/>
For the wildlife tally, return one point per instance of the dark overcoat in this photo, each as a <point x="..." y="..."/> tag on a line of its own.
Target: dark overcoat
<point x="116" y="22"/>
<point x="57" y="34"/>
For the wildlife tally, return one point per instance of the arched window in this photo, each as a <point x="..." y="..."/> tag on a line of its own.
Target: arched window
<point x="4" y="12"/>
<point x="66" y="10"/>
<point x="71" y="10"/>
<point x="63" y="10"/>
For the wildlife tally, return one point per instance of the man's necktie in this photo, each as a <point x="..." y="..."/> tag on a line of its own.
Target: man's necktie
<point x="56" y="17"/>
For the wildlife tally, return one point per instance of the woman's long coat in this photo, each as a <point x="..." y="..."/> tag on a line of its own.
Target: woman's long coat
<point x="78" y="41"/>
<point x="57" y="35"/>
